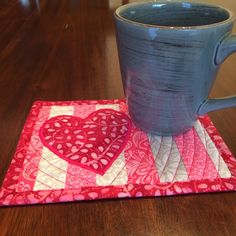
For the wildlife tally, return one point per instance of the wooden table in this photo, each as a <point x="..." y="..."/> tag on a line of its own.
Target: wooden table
<point x="66" y="50"/>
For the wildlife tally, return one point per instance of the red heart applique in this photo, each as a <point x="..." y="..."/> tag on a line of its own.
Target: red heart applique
<point x="92" y="143"/>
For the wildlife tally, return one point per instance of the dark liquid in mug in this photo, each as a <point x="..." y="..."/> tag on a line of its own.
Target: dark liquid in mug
<point x="175" y="14"/>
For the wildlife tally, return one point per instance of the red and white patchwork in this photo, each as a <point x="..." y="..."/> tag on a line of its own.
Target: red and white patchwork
<point x="84" y="150"/>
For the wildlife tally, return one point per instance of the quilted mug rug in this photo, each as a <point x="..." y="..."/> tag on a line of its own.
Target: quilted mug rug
<point x="86" y="150"/>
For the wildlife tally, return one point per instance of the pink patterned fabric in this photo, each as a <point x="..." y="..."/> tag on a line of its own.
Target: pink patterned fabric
<point x="140" y="163"/>
<point x="131" y="164"/>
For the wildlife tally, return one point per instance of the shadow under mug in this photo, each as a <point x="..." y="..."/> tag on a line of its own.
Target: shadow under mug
<point x="169" y="55"/>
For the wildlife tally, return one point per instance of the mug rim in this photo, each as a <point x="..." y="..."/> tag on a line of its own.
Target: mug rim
<point x="117" y="12"/>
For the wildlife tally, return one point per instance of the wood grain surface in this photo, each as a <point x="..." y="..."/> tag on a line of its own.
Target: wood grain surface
<point x="66" y="50"/>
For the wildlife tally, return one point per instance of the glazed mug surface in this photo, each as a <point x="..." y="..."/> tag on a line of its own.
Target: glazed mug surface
<point x="169" y="55"/>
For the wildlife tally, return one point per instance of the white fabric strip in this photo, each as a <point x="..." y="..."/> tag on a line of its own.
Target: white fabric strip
<point x="52" y="169"/>
<point x="107" y="106"/>
<point x="169" y="164"/>
<point x="212" y="151"/>
<point x="61" y="110"/>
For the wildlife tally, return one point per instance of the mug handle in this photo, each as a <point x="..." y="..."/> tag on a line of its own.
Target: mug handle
<point x="226" y="48"/>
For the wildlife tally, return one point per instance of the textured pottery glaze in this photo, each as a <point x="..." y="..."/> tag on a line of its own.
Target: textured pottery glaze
<point x="169" y="55"/>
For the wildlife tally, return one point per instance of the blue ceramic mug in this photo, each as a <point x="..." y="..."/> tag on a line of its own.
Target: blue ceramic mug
<point x="169" y="55"/>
